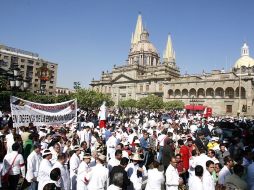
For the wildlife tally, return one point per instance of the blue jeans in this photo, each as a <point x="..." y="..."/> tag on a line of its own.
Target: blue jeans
<point x="160" y="154"/>
<point x="33" y="186"/>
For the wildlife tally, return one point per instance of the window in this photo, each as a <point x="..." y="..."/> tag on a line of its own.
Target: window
<point x="35" y="85"/>
<point x="30" y="61"/>
<point x="51" y="82"/>
<point x="228" y="108"/>
<point x="160" y="87"/>
<point x="141" y="88"/>
<point x="147" y="87"/>
<point x="37" y="63"/>
<point x="50" y="87"/>
<point x="22" y="60"/>
<point x="6" y="57"/>
<point x="22" y="66"/>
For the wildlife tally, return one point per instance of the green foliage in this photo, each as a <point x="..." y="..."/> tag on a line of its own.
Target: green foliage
<point x="91" y="99"/>
<point x="175" y="104"/>
<point x="3" y="83"/>
<point x="151" y="102"/>
<point x="130" y="103"/>
<point x="86" y="98"/>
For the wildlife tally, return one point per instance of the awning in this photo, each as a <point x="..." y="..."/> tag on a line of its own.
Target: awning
<point x="194" y="107"/>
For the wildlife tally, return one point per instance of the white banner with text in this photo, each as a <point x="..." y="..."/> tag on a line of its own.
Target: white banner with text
<point x="25" y="112"/>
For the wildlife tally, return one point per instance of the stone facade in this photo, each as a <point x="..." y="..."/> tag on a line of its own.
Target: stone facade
<point x="145" y="74"/>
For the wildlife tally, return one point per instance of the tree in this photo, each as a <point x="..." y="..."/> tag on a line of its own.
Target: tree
<point x="175" y="104"/>
<point x="91" y="99"/>
<point x="151" y="102"/>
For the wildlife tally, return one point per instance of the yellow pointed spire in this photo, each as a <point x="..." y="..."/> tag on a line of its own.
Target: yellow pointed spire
<point x="138" y="30"/>
<point x="169" y="52"/>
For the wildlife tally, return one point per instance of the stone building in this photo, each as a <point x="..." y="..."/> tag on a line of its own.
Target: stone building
<point x="219" y="89"/>
<point x="40" y="73"/>
<point x="143" y="74"/>
<point x="227" y="93"/>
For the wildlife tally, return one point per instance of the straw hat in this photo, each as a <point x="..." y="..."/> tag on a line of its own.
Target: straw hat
<point x="136" y="157"/>
<point x="87" y="156"/>
<point x="46" y="152"/>
<point x="77" y="148"/>
<point x="102" y="157"/>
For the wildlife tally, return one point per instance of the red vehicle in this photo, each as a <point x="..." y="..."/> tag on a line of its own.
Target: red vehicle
<point x="204" y="110"/>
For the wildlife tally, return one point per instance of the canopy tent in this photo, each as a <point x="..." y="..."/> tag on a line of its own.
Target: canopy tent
<point x="195" y="107"/>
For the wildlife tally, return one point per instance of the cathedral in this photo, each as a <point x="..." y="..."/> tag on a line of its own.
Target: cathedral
<point x="227" y="93"/>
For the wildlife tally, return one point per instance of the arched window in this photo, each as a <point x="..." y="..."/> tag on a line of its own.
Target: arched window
<point x="209" y="93"/>
<point x="185" y="93"/>
<point x="177" y="93"/>
<point x="243" y="92"/>
<point x="193" y="93"/>
<point x="201" y="93"/>
<point x="219" y="92"/>
<point x="170" y="93"/>
<point x="229" y="92"/>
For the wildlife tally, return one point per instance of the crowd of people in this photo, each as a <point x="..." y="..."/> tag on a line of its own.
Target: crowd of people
<point x="134" y="151"/>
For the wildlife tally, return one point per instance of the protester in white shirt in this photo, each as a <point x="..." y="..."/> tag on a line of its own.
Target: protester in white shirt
<point x="133" y="169"/>
<point x="208" y="181"/>
<point x="195" y="182"/>
<point x="98" y="177"/>
<point x="83" y="172"/>
<point x="116" y="160"/>
<point x="64" y="182"/>
<point x="155" y="178"/>
<point x="74" y="164"/>
<point x="44" y="169"/>
<point x="111" y="145"/>
<point x="10" y="140"/>
<point x="16" y="162"/>
<point x="202" y="159"/>
<point x="225" y="171"/>
<point x="55" y="151"/>
<point x="172" y="177"/>
<point x="33" y="164"/>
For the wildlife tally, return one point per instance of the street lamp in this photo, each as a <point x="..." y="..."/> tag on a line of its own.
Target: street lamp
<point x="16" y="78"/>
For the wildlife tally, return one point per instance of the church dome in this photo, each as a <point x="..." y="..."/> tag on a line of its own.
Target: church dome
<point x="145" y="46"/>
<point x="245" y="59"/>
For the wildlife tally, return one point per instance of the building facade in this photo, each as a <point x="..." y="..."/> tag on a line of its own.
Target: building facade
<point x="41" y="74"/>
<point x="227" y="93"/>
<point x="63" y="91"/>
<point x="143" y="74"/>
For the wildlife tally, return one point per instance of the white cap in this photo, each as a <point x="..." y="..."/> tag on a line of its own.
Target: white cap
<point x="46" y="152"/>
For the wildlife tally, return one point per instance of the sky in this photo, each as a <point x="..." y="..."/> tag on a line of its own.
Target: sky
<point x="88" y="37"/>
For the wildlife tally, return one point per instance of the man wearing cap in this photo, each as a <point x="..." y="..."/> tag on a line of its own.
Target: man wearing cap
<point x="64" y="182"/>
<point x="74" y="164"/>
<point x="213" y="143"/>
<point x="83" y="170"/>
<point x="44" y="169"/>
<point x="98" y="176"/>
<point x="33" y="163"/>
